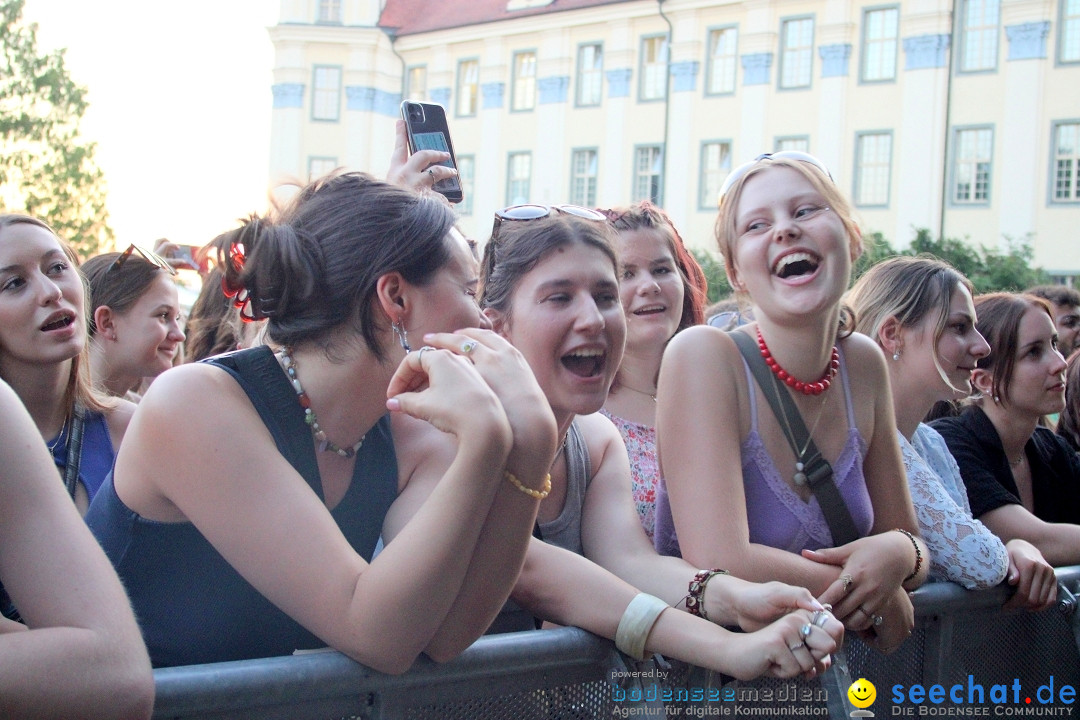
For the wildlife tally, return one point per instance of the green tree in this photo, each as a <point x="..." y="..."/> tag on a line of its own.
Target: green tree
<point x="875" y="249"/>
<point x="719" y="287"/>
<point x="45" y="168"/>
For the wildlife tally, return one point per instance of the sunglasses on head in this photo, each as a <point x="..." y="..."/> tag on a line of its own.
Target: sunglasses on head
<point x="518" y="213"/>
<point x="148" y="256"/>
<point x="734" y="176"/>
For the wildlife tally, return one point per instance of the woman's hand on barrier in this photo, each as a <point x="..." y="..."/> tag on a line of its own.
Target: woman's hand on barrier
<point x="797" y="644"/>
<point x="872" y="568"/>
<point x="755" y="605"/>
<point x="420" y="170"/>
<point x="507" y="373"/>
<point x="1031" y="575"/>
<point x="896" y="624"/>
<point x="445" y="390"/>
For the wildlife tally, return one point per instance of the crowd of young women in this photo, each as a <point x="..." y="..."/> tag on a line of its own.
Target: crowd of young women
<point x="427" y="446"/>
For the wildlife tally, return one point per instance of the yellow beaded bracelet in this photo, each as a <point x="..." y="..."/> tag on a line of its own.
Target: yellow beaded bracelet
<point x="538" y="494"/>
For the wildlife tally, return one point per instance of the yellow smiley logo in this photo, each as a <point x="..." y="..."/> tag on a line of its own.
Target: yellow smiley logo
<point x="862" y="693"/>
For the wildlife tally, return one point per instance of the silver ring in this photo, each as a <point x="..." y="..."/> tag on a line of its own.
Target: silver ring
<point x="420" y="354"/>
<point x="793" y="648"/>
<point x="819" y="618"/>
<point x="468" y="346"/>
<point x="431" y="173"/>
<point x="878" y="620"/>
<point x="806" y="629"/>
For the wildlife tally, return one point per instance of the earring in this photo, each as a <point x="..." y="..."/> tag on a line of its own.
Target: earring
<point x="402" y="335"/>
<point x="896" y="355"/>
<point x="997" y="400"/>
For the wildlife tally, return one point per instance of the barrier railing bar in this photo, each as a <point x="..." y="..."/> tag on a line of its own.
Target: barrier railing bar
<point x="328" y="684"/>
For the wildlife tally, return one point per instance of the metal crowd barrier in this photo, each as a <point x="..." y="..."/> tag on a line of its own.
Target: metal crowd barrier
<point x="961" y="639"/>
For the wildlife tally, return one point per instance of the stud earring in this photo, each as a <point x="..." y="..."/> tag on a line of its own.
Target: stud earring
<point x="402" y="335"/>
<point x="896" y="355"/>
<point x="997" y="399"/>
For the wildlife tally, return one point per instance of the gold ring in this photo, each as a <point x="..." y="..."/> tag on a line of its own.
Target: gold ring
<point x="431" y="173"/>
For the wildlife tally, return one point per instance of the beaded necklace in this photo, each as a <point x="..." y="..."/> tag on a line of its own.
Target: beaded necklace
<point x="811" y="388"/>
<point x="284" y="357"/>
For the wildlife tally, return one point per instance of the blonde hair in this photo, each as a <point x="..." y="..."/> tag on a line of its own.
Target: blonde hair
<point x="727" y="233"/>
<point x="908" y="289"/>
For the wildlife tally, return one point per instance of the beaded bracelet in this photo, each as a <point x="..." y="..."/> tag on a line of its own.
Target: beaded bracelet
<point x="636" y="623"/>
<point x="538" y="494"/>
<point x="695" y="598"/>
<point x="918" y="553"/>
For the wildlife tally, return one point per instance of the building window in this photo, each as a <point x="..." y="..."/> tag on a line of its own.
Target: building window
<point x="715" y="166"/>
<point x="466" y="168"/>
<point x="1066" y="162"/>
<point x="648" y="173"/>
<point x="518" y="174"/>
<point x="524" y="82"/>
<point x="979" y="35"/>
<point x="1069" y="32"/>
<point x="799" y="143"/>
<point x="583" y="165"/>
<point x="329" y="11"/>
<point x="881" y="28"/>
<point x="973" y="155"/>
<point x="416" y="83"/>
<point x="590" y="74"/>
<point x="873" y="168"/>
<point x="723" y="61"/>
<point x="326" y="98"/>
<point x="319" y="166"/>
<point x="468" y="87"/>
<point x="796" y="52"/>
<point x="654" y="69"/>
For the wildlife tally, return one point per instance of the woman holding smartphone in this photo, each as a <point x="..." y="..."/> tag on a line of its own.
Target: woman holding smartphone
<point x="301" y="468"/>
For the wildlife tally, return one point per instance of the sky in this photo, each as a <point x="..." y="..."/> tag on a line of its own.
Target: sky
<point x="180" y="107"/>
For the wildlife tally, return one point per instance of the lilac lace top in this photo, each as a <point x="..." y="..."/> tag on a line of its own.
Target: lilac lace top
<point x="777" y="516"/>
<point x="640" y="441"/>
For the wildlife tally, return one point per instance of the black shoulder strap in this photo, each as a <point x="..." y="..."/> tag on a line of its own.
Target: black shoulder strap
<point x="73" y="455"/>
<point x="819" y="474"/>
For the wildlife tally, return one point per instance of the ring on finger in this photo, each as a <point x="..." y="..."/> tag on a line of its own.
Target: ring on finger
<point x="431" y="173"/>
<point x="846" y="580"/>
<point x="796" y="646"/>
<point x="468" y="346"/>
<point x="878" y="620"/>
<point x="420" y="354"/>
<point x="865" y="612"/>
<point x="819" y="618"/>
<point x="806" y="629"/>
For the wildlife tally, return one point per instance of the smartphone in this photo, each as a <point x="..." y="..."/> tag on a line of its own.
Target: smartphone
<point x="187" y="253"/>
<point x="426" y="123"/>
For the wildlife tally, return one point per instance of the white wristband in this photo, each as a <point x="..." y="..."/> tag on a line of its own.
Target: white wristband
<point x="636" y="623"/>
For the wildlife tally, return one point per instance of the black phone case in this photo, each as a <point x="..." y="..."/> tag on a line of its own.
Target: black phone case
<point x="434" y="123"/>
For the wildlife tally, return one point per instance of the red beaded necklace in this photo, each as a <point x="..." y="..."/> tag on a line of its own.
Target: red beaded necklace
<point x="812" y="388"/>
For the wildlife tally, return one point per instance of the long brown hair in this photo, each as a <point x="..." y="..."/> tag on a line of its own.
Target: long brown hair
<point x="645" y="215"/>
<point x="80" y="389"/>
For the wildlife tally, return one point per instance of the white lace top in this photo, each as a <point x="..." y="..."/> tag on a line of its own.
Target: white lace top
<point x="962" y="549"/>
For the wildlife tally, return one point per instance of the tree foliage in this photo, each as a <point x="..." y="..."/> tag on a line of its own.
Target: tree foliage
<point x="46" y="169"/>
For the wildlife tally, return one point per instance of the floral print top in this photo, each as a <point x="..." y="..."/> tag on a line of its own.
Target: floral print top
<point x="640" y="441"/>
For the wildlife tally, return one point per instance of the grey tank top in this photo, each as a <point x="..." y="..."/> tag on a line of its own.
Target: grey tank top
<point x="564" y="531"/>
